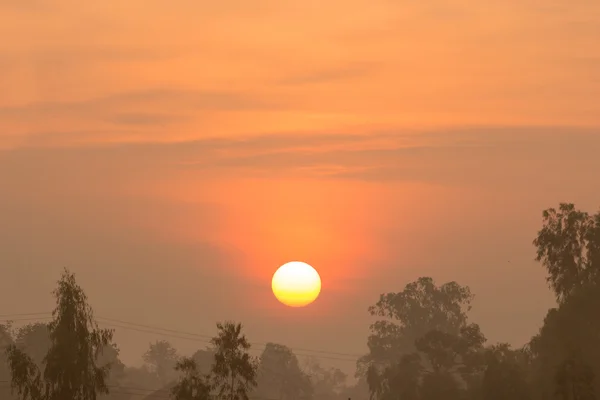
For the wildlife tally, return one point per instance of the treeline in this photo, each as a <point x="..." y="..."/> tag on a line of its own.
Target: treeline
<point x="422" y="346"/>
<point x="72" y="358"/>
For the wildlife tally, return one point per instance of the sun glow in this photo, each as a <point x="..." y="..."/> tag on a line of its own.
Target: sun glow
<point x="296" y="284"/>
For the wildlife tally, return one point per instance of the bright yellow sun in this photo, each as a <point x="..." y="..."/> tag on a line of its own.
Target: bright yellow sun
<point x="296" y="284"/>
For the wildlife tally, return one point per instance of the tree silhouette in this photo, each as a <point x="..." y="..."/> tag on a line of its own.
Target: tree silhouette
<point x="424" y="348"/>
<point x="568" y="246"/>
<point x="411" y="313"/>
<point x="234" y="372"/>
<point x="70" y="370"/>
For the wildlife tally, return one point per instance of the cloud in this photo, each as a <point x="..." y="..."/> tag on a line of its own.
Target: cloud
<point x="168" y="98"/>
<point x="468" y="156"/>
<point x="122" y="116"/>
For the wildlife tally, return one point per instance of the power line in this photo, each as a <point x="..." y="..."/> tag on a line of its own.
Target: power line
<point x="197" y="337"/>
<point x="24" y="314"/>
<point x="155" y="393"/>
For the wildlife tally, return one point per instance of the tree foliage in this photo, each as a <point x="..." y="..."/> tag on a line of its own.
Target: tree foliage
<point x="409" y="314"/>
<point x="568" y="246"/>
<point x="566" y="351"/>
<point x="234" y="371"/>
<point x="426" y="347"/>
<point x="69" y="367"/>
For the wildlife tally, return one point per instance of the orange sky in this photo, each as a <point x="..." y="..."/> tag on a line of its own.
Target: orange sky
<point x="188" y="149"/>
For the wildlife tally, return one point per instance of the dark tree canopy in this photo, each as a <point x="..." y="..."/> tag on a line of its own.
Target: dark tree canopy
<point x="568" y="246"/>
<point x="425" y="348"/>
<point x="411" y="313"/>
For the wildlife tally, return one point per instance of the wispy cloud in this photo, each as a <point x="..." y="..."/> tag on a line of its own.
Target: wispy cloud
<point x="454" y="156"/>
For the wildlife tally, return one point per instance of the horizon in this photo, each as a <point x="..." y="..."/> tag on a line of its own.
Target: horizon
<point x="174" y="156"/>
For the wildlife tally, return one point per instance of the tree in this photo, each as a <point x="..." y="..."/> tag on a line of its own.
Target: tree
<point x="575" y="379"/>
<point x="400" y="380"/>
<point x="570" y="329"/>
<point x="193" y="385"/>
<point x="6" y="339"/>
<point x="425" y="348"/>
<point x="504" y="377"/>
<point x="162" y="358"/>
<point x="204" y="359"/>
<point x="421" y="307"/>
<point x="70" y="370"/>
<point x="280" y="376"/>
<point x="439" y="385"/>
<point x="109" y="356"/>
<point x="568" y="246"/>
<point x="447" y="352"/>
<point x="234" y="371"/>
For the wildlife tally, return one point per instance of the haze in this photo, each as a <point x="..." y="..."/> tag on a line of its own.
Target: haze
<point x="173" y="155"/>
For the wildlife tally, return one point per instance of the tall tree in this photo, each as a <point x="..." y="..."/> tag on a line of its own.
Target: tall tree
<point x="568" y="246"/>
<point x="162" y="357"/>
<point x="234" y="371"/>
<point x="425" y="347"/>
<point x="411" y="313"/>
<point x="70" y="370"/>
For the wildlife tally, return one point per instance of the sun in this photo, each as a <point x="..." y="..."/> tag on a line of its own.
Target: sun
<point x="296" y="284"/>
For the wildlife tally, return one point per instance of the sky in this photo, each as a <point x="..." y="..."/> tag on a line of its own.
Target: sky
<point x="174" y="154"/>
